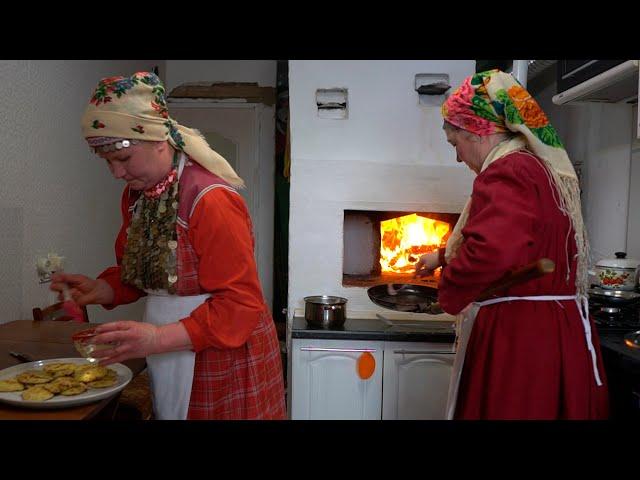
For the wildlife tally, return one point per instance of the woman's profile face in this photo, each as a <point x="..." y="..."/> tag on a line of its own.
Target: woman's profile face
<point x="139" y="165"/>
<point x="468" y="148"/>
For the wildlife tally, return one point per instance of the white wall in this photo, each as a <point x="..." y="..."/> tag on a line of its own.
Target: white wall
<point x="633" y="234"/>
<point x="183" y="71"/>
<point x="55" y="194"/>
<point x="264" y="72"/>
<point x="389" y="154"/>
<point x="599" y="137"/>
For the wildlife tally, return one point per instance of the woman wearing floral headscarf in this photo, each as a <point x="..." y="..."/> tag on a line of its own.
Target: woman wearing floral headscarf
<point x="533" y="353"/>
<point x="186" y="243"/>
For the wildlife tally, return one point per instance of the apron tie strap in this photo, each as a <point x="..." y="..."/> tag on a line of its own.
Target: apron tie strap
<point x="583" y="306"/>
<point x="582" y="302"/>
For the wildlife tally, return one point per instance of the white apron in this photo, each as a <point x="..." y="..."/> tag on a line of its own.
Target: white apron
<point x="171" y="374"/>
<point x="465" y="323"/>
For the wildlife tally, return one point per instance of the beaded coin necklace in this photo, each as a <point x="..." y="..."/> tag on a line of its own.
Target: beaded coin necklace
<point x="150" y="256"/>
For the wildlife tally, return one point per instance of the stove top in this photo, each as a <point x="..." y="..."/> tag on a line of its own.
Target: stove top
<point x="615" y="319"/>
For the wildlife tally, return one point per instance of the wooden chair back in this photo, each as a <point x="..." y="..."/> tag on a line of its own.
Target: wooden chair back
<point x="54" y="312"/>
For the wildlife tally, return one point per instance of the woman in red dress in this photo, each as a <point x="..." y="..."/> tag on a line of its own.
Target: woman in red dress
<point x="534" y="352"/>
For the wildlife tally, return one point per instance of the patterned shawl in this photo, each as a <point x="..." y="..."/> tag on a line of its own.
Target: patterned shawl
<point x="494" y="102"/>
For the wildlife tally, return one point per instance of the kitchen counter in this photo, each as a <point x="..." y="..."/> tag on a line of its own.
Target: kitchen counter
<point x="622" y="365"/>
<point x="375" y="329"/>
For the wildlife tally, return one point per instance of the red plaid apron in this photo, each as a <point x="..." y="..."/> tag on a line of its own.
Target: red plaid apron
<point x="241" y="383"/>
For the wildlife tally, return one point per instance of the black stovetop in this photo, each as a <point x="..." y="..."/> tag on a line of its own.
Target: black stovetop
<point x="617" y="320"/>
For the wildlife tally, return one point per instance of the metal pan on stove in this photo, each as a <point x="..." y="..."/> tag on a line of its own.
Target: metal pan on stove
<point x="614" y="297"/>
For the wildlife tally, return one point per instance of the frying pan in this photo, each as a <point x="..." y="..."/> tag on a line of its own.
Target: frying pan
<point x="423" y="299"/>
<point x="613" y="297"/>
<point x="403" y="297"/>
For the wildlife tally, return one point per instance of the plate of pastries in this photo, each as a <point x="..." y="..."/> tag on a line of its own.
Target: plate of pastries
<point x="61" y="382"/>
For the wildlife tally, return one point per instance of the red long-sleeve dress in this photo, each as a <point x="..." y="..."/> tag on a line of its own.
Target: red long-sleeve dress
<point x="525" y="359"/>
<point x="238" y="372"/>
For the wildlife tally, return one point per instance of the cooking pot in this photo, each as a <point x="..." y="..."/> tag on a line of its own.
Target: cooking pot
<point x="618" y="273"/>
<point x="325" y="311"/>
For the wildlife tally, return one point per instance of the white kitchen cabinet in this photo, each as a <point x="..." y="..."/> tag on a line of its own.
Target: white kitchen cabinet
<point x="326" y="384"/>
<point x="416" y="380"/>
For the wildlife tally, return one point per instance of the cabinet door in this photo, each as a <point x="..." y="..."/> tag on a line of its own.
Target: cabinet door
<point x="326" y="384"/>
<point x="416" y="380"/>
<point x="637" y="116"/>
<point x="237" y="132"/>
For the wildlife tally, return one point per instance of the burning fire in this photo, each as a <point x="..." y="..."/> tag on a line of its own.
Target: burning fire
<point x="405" y="239"/>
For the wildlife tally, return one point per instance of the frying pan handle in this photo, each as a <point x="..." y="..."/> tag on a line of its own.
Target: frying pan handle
<point x="513" y="277"/>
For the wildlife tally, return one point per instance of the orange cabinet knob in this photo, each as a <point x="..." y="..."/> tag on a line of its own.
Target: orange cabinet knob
<point x="366" y="365"/>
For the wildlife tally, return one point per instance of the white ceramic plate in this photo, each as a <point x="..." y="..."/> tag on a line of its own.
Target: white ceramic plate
<point x="60" y="401"/>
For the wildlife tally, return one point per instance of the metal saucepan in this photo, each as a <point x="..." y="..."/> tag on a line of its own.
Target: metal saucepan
<point x="325" y="311"/>
<point x="422" y="299"/>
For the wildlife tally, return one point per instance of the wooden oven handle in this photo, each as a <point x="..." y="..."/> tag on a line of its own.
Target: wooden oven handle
<point x="513" y="277"/>
<point x="517" y="276"/>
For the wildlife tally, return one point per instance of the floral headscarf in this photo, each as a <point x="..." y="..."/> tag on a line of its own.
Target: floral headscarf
<point x="123" y="111"/>
<point x="135" y="108"/>
<point x="494" y="102"/>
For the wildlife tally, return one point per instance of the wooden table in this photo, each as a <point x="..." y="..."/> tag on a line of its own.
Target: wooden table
<point x="44" y="340"/>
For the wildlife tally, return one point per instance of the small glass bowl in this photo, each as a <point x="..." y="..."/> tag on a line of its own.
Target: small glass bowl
<point x="83" y="341"/>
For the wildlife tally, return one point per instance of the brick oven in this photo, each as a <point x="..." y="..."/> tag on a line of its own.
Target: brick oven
<point x="384" y="246"/>
<point x="373" y="188"/>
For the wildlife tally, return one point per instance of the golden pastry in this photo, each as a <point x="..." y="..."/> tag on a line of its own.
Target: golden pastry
<point x="34" y="377"/>
<point x="10" y="385"/>
<point x="90" y="374"/>
<point x="36" y="393"/>
<point x="104" y="383"/>
<point x="77" y="390"/>
<point x="60" y="369"/>
<point x="60" y="384"/>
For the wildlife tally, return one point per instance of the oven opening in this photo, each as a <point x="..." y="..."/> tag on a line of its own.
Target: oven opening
<point x="383" y="247"/>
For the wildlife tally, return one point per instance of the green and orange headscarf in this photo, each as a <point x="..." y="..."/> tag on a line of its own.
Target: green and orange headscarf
<point x="495" y="102"/>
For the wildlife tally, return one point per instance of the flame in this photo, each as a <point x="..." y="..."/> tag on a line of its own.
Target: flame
<point x="404" y="239"/>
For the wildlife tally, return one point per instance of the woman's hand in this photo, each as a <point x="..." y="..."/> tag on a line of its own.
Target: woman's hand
<point x="139" y="340"/>
<point x="130" y="339"/>
<point x="83" y="290"/>
<point x="427" y="264"/>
